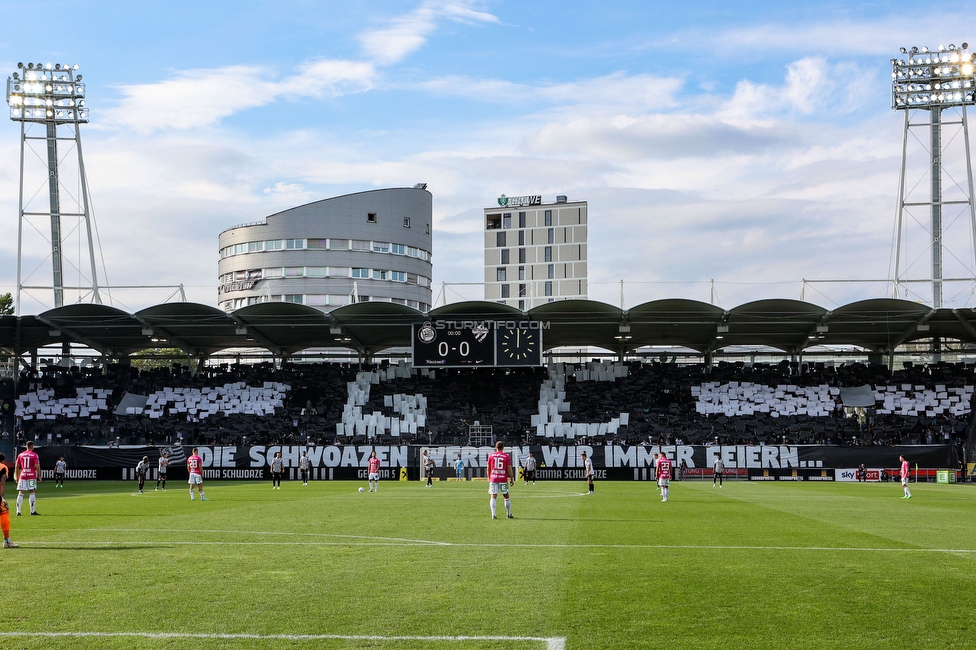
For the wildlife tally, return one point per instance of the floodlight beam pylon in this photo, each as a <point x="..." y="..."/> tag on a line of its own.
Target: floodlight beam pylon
<point x="52" y="96"/>
<point x="931" y="82"/>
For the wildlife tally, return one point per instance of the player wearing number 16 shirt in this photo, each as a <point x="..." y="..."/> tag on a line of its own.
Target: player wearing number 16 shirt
<point x="500" y="476"/>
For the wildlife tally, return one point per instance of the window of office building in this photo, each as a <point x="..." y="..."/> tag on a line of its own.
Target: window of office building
<point x="294" y="297"/>
<point x="500" y="274"/>
<point x="552" y="236"/>
<point x="338" y="244"/>
<point x="522" y="305"/>
<point x="548" y="289"/>
<point x="370" y="217"/>
<point x="506" y="291"/>
<point x="548" y="217"/>
<point x="506" y="255"/>
<point x="507" y="220"/>
<point x="317" y="244"/>
<point x="500" y="239"/>
<point x="294" y="271"/>
<point x="521" y="256"/>
<point x="521" y="273"/>
<point x="360" y="273"/>
<point x="521" y="238"/>
<point x="551" y="270"/>
<point x="398" y="276"/>
<point x="381" y="247"/>
<point x="521" y="220"/>
<point x="406" y="222"/>
<point x="294" y="244"/>
<point x="398" y="249"/>
<point x="522" y="291"/>
<point x="380" y="274"/>
<point x="316" y="271"/>
<point x="548" y="254"/>
<point x="360" y="245"/>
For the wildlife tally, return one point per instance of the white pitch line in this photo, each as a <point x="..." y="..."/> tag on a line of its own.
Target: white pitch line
<point x="552" y="643"/>
<point x="402" y="540"/>
<point x="822" y="549"/>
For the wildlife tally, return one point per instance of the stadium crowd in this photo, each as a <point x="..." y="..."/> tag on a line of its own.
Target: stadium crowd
<point x="651" y="403"/>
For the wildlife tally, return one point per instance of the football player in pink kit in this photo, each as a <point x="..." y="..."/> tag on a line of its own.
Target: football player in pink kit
<point x="905" y="473"/>
<point x="500" y="476"/>
<point x="27" y="474"/>
<point x="194" y="465"/>
<point x="664" y="476"/>
<point x="374" y="473"/>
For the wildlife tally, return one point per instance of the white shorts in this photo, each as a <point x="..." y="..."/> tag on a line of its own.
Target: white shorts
<point x="374" y="476"/>
<point x="663" y="482"/>
<point x="495" y="488"/>
<point x="904" y="482"/>
<point x="27" y="485"/>
<point x="195" y="479"/>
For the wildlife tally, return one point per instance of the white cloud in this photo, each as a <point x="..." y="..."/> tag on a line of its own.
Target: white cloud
<point x="202" y="97"/>
<point x="875" y="37"/>
<point x="408" y="33"/>
<point x="608" y="93"/>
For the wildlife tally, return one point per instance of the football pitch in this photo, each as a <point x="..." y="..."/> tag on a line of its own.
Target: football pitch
<point x="834" y="565"/>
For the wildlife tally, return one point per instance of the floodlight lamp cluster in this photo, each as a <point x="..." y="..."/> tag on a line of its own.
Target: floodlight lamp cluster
<point x="41" y="92"/>
<point x="933" y="79"/>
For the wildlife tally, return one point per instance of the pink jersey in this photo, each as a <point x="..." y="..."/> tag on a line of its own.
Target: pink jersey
<point x="904" y="470"/>
<point x="194" y="464"/>
<point x="28" y="462"/>
<point x="374" y="465"/>
<point x="664" y="467"/>
<point x="498" y="465"/>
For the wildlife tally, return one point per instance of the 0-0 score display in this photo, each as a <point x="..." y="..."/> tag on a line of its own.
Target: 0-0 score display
<point x="448" y="345"/>
<point x="444" y="347"/>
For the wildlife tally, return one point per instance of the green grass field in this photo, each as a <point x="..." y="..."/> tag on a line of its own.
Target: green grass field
<point x="751" y="565"/>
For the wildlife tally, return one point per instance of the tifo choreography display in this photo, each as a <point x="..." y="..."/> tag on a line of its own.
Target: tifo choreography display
<point x="601" y="420"/>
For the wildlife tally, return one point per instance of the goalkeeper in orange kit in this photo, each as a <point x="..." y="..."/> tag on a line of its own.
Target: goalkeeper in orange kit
<point x="4" y="510"/>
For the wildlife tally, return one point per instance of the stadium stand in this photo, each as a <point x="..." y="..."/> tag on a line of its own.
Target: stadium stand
<point x="595" y="403"/>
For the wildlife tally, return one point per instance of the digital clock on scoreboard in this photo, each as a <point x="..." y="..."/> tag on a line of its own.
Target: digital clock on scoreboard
<point x="453" y="345"/>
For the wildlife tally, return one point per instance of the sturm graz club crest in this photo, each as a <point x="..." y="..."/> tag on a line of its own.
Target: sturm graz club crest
<point x="480" y="332"/>
<point x="503" y="200"/>
<point x="426" y="333"/>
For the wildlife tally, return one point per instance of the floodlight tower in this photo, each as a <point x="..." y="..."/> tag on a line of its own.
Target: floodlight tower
<point x="54" y="96"/>
<point x="923" y="83"/>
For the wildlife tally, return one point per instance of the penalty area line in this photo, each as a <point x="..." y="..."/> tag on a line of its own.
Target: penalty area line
<point x="552" y="643"/>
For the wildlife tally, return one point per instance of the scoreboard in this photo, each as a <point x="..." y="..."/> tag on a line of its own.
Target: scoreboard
<point x="466" y="344"/>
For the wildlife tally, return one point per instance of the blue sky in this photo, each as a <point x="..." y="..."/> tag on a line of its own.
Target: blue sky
<point x="749" y="143"/>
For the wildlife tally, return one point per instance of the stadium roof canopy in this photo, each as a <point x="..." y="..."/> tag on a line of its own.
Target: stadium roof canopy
<point x="877" y="325"/>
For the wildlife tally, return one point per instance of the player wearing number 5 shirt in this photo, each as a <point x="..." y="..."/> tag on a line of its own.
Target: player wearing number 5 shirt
<point x="27" y="474"/>
<point x="374" y="473"/>
<point x="500" y="476"/>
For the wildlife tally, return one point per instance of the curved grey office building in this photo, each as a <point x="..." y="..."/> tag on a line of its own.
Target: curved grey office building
<point x="367" y="246"/>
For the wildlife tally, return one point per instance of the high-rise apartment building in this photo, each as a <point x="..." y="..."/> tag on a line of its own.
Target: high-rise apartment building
<point x="535" y="252"/>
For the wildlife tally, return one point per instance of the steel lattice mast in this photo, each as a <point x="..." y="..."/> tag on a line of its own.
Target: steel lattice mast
<point x="926" y="83"/>
<point x="54" y="96"/>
